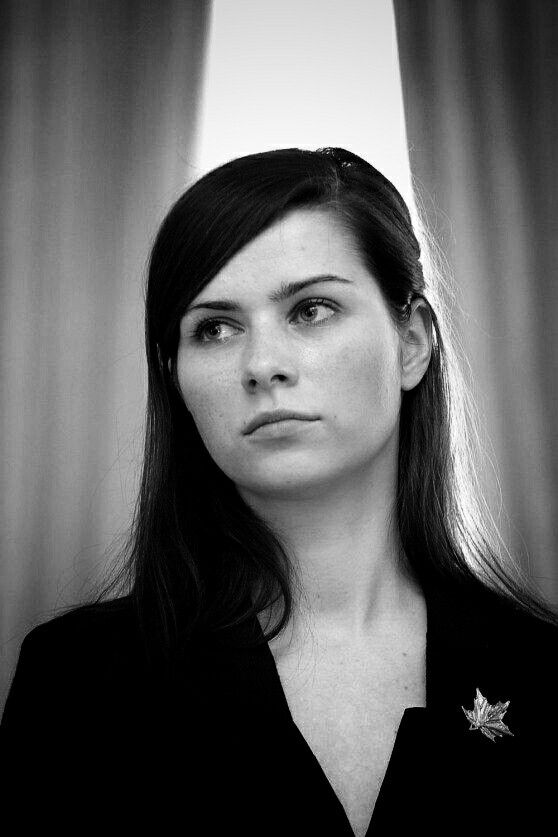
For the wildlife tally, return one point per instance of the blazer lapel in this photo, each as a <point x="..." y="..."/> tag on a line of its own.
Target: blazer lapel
<point x="458" y="774"/>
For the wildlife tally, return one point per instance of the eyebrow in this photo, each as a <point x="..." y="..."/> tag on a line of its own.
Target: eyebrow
<point x="285" y="291"/>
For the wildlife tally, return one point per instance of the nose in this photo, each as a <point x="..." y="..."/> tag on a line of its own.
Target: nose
<point x="268" y="361"/>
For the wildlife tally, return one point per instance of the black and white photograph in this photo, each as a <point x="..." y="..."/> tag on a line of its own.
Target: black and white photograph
<point x="279" y="395"/>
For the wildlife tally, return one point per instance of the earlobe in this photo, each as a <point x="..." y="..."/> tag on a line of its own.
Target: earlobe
<point x="172" y="374"/>
<point x="175" y="382"/>
<point x="416" y="345"/>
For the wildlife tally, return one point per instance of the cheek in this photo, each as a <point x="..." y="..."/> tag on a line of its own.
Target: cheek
<point x="365" y="378"/>
<point x="355" y="381"/>
<point x="206" y="394"/>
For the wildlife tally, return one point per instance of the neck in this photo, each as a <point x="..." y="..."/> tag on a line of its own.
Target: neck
<point x="350" y="571"/>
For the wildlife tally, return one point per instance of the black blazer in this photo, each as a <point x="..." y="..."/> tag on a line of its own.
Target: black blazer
<point x="93" y="739"/>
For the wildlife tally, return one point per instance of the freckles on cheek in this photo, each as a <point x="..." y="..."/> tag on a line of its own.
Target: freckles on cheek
<point x="369" y="369"/>
<point x="203" y="388"/>
<point x="209" y="400"/>
<point x="208" y="413"/>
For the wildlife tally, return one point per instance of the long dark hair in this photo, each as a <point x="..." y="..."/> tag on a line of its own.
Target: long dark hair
<point x="198" y="558"/>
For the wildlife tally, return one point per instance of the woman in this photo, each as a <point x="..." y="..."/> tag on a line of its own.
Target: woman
<point x="304" y="519"/>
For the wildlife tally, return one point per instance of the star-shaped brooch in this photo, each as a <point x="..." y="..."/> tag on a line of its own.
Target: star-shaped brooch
<point x="488" y="718"/>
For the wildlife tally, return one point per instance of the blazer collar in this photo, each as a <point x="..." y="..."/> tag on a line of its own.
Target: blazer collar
<point x="463" y="653"/>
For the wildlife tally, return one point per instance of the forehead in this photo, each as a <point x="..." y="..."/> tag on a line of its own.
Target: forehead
<point x="302" y="243"/>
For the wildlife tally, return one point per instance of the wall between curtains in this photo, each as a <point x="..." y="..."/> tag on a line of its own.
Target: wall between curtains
<point x="481" y="105"/>
<point x="99" y="117"/>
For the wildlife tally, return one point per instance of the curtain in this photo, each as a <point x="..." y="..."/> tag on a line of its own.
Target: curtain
<point x="99" y="117"/>
<point x="480" y="89"/>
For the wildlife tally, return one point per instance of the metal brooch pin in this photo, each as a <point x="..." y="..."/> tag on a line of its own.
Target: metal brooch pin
<point x="487" y="717"/>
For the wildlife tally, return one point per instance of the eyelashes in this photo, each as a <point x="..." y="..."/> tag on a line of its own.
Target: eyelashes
<point x="200" y="329"/>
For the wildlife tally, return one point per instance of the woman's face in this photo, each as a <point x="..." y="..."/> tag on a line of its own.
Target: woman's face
<point x="330" y="350"/>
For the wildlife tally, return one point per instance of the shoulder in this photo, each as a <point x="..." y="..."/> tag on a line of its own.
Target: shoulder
<point x="89" y="644"/>
<point x="476" y="604"/>
<point x="97" y="618"/>
<point x="511" y="622"/>
<point x="102" y="627"/>
<point x="85" y="663"/>
<point x="487" y="623"/>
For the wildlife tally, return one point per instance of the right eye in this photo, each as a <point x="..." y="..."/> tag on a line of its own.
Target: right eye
<point x="202" y="328"/>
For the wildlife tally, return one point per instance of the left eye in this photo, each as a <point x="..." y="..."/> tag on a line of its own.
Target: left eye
<point x="315" y="303"/>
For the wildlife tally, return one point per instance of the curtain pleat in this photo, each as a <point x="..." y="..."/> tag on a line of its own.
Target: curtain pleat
<point x="481" y="106"/>
<point x="100" y="102"/>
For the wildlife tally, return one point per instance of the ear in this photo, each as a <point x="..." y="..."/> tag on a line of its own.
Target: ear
<point x="174" y="379"/>
<point x="416" y="344"/>
<point x="172" y="374"/>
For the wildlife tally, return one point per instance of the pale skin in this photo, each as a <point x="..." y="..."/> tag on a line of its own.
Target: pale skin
<point x="352" y="657"/>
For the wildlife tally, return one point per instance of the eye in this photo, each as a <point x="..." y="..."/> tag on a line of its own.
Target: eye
<point x="202" y="328"/>
<point x="316" y="303"/>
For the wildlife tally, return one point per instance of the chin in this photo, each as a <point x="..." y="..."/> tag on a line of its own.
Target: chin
<point x="291" y="480"/>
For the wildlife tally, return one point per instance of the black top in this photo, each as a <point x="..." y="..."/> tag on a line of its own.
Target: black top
<point x="93" y="738"/>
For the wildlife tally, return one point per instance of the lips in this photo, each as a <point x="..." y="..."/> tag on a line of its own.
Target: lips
<point x="276" y="415"/>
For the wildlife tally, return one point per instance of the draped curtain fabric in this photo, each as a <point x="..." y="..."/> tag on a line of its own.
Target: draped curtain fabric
<point x="480" y="88"/>
<point x="98" y="116"/>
